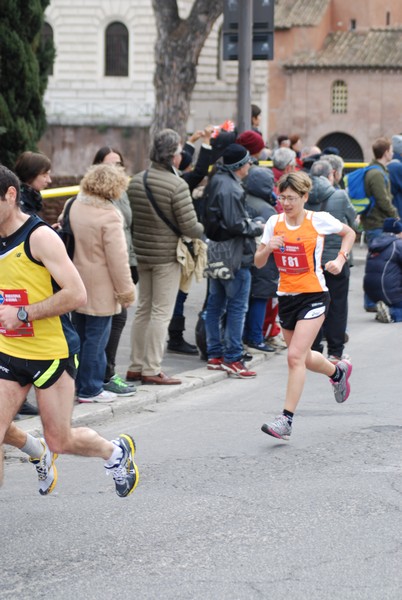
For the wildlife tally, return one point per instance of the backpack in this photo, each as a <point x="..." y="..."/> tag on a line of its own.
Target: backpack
<point x="354" y="185"/>
<point x="66" y="233"/>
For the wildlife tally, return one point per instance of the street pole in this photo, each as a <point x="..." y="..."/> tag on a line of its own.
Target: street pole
<point x="245" y="58"/>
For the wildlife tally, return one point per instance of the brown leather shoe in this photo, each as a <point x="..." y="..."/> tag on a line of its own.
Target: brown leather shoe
<point x="133" y="376"/>
<point x="160" y="379"/>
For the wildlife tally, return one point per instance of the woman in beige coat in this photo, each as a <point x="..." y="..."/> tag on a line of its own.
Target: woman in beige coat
<point x="101" y="258"/>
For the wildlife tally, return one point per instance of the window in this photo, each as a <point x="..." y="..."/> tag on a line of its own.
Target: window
<point x="47" y="44"/>
<point x="339" y="97"/>
<point x="352" y="24"/>
<point x="388" y="18"/>
<point x="116" y="50"/>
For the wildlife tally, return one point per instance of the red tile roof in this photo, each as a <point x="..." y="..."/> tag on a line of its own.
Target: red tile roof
<point x="299" y="13"/>
<point x="374" y="49"/>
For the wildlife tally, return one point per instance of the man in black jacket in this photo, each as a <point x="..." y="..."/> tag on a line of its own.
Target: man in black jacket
<point x="226" y="218"/>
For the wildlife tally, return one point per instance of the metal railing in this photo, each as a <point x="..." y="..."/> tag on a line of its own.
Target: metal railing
<point x="73" y="190"/>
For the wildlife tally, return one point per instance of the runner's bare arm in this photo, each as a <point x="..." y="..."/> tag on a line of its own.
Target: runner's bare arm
<point x="47" y="247"/>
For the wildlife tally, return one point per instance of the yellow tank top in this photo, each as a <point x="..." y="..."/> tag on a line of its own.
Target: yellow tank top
<point x="24" y="281"/>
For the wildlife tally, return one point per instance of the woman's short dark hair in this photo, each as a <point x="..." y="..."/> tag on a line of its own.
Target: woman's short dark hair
<point x="31" y="164"/>
<point x="104" y="151"/>
<point x="164" y="146"/>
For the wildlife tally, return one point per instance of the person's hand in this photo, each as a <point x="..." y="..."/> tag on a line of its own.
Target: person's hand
<point x="335" y="266"/>
<point x="196" y="136"/>
<point x="208" y="131"/>
<point x="276" y="242"/>
<point x="8" y="317"/>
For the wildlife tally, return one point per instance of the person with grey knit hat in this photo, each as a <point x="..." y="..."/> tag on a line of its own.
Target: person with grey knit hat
<point x="226" y="218"/>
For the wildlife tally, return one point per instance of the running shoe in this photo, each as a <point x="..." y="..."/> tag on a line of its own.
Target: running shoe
<point x="238" y="369"/>
<point x="125" y="472"/>
<point x="102" y="397"/>
<point x="342" y="388"/>
<point x="280" y="428"/>
<point x="118" y="386"/>
<point x="383" y="315"/>
<point x="46" y="469"/>
<point x="215" y="364"/>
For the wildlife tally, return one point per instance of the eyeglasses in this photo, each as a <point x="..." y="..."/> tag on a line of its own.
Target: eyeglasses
<point x="291" y="199"/>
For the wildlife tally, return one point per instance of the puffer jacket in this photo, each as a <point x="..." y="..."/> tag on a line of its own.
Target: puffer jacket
<point x="324" y="196"/>
<point x="154" y="242"/>
<point x="226" y="216"/>
<point x="383" y="274"/>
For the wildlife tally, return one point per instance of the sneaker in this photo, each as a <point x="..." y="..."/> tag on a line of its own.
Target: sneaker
<point x="215" y="364"/>
<point x="342" y="387"/>
<point x="46" y="469"/>
<point x="335" y="359"/>
<point x="238" y="369"/>
<point x="118" y="386"/>
<point x="261" y="347"/>
<point x="104" y="396"/>
<point x="383" y="315"/>
<point x="279" y="428"/>
<point x="125" y="472"/>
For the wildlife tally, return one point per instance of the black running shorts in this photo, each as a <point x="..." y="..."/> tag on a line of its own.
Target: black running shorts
<point x="42" y="373"/>
<point x="301" y="307"/>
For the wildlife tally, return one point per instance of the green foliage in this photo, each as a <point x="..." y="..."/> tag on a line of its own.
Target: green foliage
<point x="24" y="65"/>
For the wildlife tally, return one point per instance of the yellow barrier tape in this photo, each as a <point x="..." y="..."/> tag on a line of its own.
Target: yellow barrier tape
<point x="74" y="189"/>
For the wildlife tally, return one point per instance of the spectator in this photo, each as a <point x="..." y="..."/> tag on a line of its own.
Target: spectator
<point x="377" y="185"/>
<point x="252" y="142"/>
<point x="324" y="197"/>
<point x="309" y="154"/>
<point x="284" y="161"/>
<point x="256" y="118"/>
<point x="113" y="382"/>
<point x="283" y="141"/>
<point x="101" y="258"/>
<point x="383" y="275"/>
<point x="395" y="173"/>
<point x="193" y="177"/>
<point x="264" y="282"/>
<point x="296" y="145"/>
<point x="337" y="165"/>
<point x="155" y="246"/>
<point x="227" y="218"/>
<point x="33" y="170"/>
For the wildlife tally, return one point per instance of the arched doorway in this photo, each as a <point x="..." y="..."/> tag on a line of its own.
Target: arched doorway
<point x="349" y="149"/>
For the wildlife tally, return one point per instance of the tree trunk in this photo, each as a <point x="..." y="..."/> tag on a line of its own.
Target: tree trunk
<point x="177" y="49"/>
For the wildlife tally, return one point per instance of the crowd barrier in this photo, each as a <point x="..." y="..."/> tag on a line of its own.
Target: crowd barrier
<point x="74" y="189"/>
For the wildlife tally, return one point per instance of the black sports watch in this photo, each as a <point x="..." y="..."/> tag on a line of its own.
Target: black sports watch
<point x="22" y="314"/>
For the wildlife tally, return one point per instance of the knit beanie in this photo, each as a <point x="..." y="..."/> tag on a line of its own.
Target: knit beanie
<point x="397" y="144"/>
<point x="251" y="140"/>
<point x="235" y="156"/>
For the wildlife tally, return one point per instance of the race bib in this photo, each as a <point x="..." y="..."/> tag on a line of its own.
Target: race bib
<point x="291" y="259"/>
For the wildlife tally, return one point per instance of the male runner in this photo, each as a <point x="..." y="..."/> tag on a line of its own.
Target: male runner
<point x="39" y="285"/>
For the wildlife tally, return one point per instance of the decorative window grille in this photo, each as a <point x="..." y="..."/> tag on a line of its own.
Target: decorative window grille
<point x="116" y="50"/>
<point x="339" y="97"/>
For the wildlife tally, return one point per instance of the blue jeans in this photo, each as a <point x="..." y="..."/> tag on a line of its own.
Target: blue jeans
<point x="230" y="296"/>
<point x="371" y="234"/>
<point x="255" y="320"/>
<point x="396" y="312"/>
<point x="94" y="334"/>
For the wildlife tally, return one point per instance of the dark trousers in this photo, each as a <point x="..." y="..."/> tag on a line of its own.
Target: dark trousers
<point x="336" y="320"/>
<point x="118" y="322"/>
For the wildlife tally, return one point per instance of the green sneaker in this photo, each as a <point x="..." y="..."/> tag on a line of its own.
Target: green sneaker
<point x="119" y="387"/>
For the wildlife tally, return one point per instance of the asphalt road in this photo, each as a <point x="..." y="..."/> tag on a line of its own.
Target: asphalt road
<point x="223" y="511"/>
